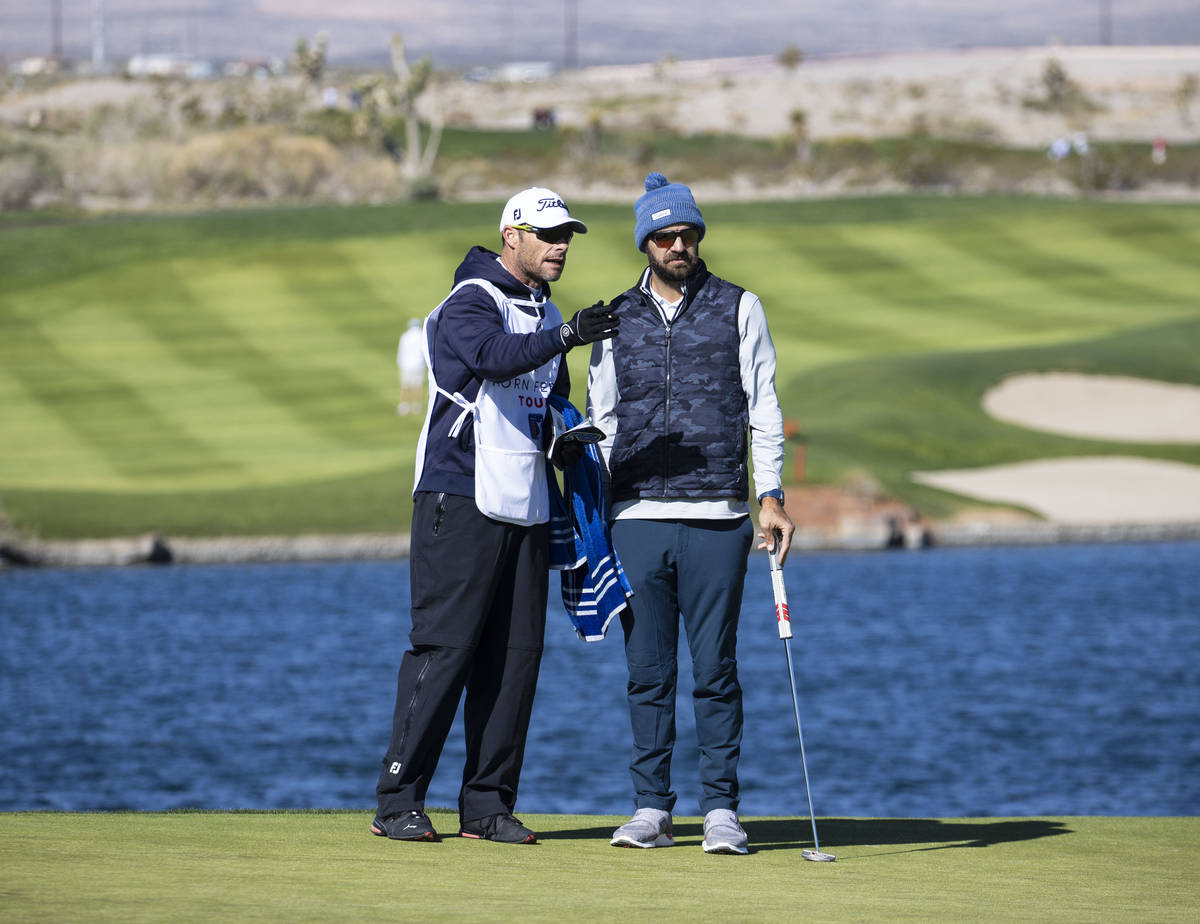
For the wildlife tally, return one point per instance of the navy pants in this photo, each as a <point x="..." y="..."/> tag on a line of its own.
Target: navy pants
<point x="478" y="620"/>
<point x="694" y="569"/>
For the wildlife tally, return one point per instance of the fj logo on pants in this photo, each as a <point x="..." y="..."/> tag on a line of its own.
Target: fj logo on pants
<point x="395" y="767"/>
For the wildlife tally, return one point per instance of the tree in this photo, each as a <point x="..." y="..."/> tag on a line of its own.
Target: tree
<point x="389" y="107"/>
<point x="416" y="164"/>
<point x="311" y="61"/>
<point x="791" y="57"/>
<point x="799" y="120"/>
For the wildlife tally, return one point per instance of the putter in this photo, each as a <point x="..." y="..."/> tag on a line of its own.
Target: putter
<point x="785" y="632"/>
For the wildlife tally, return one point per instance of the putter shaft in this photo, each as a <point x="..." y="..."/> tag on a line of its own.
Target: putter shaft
<point x="783" y="620"/>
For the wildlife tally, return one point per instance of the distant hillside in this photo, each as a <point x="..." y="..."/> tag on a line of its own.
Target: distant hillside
<point x="975" y="121"/>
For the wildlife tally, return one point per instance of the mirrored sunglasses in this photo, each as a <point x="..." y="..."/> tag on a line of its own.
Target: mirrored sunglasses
<point x="666" y="239"/>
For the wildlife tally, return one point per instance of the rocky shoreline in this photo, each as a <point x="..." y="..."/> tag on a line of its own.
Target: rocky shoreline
<point x="881" y="534"/>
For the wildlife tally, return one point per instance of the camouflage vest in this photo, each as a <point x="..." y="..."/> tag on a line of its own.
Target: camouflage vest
<point x="682" y="417"/>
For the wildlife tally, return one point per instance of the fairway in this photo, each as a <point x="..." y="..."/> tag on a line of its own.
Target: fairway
<point x="235" y="373"/>
<point x="327" y="867"/>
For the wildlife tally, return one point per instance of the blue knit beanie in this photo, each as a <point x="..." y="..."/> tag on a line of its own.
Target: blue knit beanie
<point x="664" y="204"/>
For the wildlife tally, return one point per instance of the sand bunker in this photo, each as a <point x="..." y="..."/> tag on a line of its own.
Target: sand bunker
<point x="1112" y="489"/>
<point x="1099" y="407"/>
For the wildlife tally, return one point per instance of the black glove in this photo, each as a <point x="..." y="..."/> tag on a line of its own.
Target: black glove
<point x="589" y="325"/>
<point x="567" y="453"/>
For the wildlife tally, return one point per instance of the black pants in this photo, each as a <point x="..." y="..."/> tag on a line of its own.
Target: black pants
<point x="478" y="619"/>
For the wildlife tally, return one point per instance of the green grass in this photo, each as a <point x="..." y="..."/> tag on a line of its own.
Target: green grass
<point x="325" y="866"/>
<point x="233" y="372"/>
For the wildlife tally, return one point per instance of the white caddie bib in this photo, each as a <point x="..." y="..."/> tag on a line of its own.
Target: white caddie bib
<point x="508" y="419"/>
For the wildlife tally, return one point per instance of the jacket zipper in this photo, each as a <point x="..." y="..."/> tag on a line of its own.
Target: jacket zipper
<point x="412" y="703"/>
<point x="667" y="418"/>
<point x="441" y="512"/>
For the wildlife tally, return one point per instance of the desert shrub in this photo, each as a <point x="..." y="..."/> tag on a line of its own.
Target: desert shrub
<point x="337" y="126"/>
<point x="250" y="163"/>
<point x="362" y="177"/>
<point x="131" y="172"/>
<point x="1060" y="93"/>
<point x="849" y="154"/>
<point x="27" y="173"/>
<point x="297" y="166"/>
<point x="1106" y="168"/>
<point x="1126" y="166"/>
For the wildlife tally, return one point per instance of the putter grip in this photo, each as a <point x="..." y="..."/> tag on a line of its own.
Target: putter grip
<point x="782" y="617"/>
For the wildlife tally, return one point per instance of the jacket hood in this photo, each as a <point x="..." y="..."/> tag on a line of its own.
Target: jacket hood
<point x="481" y="263"/>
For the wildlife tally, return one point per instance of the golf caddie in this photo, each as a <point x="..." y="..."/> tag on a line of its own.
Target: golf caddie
<point x="494" y="349"/>
<point x="683" y="395"/>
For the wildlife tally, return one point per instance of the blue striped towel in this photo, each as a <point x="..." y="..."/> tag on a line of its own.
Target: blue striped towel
<point x="594" y="586"/>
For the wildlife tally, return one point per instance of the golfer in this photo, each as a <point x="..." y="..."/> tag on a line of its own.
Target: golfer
<point x="410" y="364"/>
<point x="692" y="373"/>
<point x="479" y="553"/>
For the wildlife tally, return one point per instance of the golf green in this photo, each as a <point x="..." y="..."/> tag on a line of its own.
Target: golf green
<point x="327" y="867"/>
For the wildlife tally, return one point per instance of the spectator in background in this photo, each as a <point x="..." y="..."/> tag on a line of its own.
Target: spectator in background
<point x="410" y="363"/>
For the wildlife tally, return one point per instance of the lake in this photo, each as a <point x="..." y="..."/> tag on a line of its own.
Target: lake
<point x="1041" y="680"/>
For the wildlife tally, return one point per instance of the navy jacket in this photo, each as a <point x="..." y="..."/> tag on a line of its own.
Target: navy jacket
<point x="472" y="345"/>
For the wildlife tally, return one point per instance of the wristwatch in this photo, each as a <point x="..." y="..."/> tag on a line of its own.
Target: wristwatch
<point x="776" y="493"/>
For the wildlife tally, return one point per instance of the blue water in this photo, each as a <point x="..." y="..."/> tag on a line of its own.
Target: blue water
<point x="947" y="682"/>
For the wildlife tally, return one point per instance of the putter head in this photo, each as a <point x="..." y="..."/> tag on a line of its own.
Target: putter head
<point x="817" y="856"/>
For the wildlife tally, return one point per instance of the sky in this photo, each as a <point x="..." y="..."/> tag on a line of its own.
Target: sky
<point x="466" y="33"/>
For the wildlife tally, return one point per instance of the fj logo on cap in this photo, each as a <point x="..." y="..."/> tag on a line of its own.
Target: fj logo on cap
<point x="663" y="213"/>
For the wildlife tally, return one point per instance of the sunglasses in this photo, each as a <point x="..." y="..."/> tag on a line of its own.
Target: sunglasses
<point x="666" y="239"/>
<point x="559" y="235"/>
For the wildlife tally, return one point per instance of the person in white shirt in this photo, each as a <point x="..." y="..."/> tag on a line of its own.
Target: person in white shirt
<point x="410" y="365"/>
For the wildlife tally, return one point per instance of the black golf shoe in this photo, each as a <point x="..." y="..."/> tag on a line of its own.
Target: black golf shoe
<point x="407" y="826"/>
<point x="502" y="828"/>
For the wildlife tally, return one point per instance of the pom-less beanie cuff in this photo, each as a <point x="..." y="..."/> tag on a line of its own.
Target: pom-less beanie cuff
<point x="664" y="204"/>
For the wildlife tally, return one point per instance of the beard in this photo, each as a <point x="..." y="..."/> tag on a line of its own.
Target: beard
<point x="675" y="266"/>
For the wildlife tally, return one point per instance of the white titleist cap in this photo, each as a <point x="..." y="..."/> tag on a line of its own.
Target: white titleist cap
<point x="539" y="207"/>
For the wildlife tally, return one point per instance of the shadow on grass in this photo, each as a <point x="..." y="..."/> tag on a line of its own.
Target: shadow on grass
<point x="914" y="833"/>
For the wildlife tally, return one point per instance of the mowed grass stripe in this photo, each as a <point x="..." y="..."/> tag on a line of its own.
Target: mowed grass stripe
<point x="263" y="441"/>
<point x="1162" y="233"/>
<point x="99" y="338"/>
<point x="297" y="328"/>
<point x="113" y="417"/>
<point x="328" y="402"/>
<point x="818" y="302"/>
<point x="41" y="448"/>
<point x="330" y="294"/>
<point x="402" y="276"/>
<point x="1110" y="256"/>
<point x="916" y="304"/>
<point x="1084" y="286"/>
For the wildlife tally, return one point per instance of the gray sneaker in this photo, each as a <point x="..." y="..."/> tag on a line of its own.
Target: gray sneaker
<point x="723" y="832"/>
<point x="649" y="827"/>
